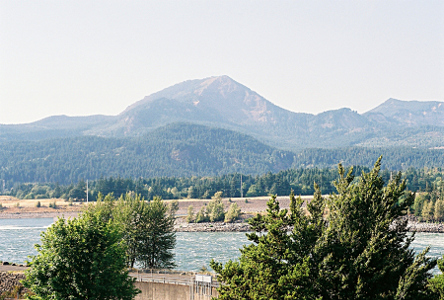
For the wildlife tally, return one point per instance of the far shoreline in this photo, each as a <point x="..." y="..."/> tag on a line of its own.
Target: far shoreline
<point x="182" y="226"/>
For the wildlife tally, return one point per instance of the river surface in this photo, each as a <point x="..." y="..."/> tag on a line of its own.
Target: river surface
<point x="193" y="249"/>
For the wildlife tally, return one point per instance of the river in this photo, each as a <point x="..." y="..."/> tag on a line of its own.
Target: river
<point x="193" y="249"/>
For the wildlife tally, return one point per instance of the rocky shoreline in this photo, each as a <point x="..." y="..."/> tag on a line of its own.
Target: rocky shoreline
<point x="241" y="226"/>
<point x="426" y="227"/>
<point x="238" y="226"/>
<point x="213" y="227"/>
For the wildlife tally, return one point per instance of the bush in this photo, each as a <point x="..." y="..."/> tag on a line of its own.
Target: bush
<point x="232" y="213"/>
<point x="215" y="209"/>
<point x="201" y="216"/>
<point x="190" y="215"/>
<point x="38" y="204"/>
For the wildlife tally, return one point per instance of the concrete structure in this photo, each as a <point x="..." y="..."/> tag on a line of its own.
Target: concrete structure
<point x="155" y="285"/>
<point x="174" y="288"/>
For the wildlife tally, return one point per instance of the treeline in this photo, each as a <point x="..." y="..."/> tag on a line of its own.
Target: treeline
<point x="300" y="180"/>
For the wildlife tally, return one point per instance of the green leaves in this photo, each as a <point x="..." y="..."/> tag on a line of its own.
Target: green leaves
<point x="148" y="231"/>
<point x="81" y="258"/>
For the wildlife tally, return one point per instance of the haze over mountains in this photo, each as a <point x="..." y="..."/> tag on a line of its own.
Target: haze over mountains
<point x="222" y="102"/>
<point x="217" y="126"/>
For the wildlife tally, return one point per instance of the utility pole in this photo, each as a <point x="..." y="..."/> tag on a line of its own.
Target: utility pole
<point x="242" y="192"/>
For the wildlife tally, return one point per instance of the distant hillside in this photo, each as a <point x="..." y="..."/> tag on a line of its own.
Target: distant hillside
<point x="410" y="113"/>
<point x="174" y="150"/>
<point x="182" y="150"/>
<point x="224" y="103"/>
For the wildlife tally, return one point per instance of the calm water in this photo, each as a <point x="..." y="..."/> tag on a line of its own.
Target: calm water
<point x="193" y="249"/>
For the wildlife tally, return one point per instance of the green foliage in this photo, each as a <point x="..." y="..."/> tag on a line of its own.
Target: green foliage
<point x="426" y="180"/>
<point x="81" y="258"/>
<point x="173" y="207"/>
<point x="148" y="231"/>
<point x="233" y="213"/>
<point x="361" y="251"/>
<point x="427" y="211"/>
<point x="215" y="208"/>
<point x="436" y="284"/>
<point x="438" y="213"/>
<point x="190" y="214"/>
<point x="201" y="216"/>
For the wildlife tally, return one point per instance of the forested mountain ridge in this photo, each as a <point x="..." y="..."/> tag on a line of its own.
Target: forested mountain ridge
<point x="183" y="150"/>
<point x="174" y="150"/>
<point x="224" y="103"/>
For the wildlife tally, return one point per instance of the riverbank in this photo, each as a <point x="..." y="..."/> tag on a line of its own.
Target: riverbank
<point x="13" y="208"/>
<point x="242" y="226"/>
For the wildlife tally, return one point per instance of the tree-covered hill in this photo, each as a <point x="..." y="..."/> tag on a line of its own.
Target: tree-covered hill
<point x="183" y="150"/>
<point x="174" y="150"/>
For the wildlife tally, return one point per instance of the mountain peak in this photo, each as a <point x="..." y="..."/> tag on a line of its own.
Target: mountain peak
<point x="221" y="84"/>
<point x="412" y="113"/>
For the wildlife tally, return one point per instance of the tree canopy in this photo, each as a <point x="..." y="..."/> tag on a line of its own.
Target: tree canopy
<point x="147" y="228"/>
<point x="80" y="258"/>
<point x="353" y="245"/>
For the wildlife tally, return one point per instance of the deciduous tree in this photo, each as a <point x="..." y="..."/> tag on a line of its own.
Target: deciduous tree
<point x="81" y="258"/>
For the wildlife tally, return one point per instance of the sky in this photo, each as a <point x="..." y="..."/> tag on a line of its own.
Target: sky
<point x="80" y="57"/>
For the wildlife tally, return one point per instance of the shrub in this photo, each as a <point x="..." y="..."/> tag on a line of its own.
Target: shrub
<point x="232" y="213"/>
<point x="190" y="215"/>
<point x="38" y="204"/>
<point x="201" y="216"/>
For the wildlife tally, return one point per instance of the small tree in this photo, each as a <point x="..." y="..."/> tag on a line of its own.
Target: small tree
<point x="201" y="215"/>
<point x="148" y="231"/>
<point x="81" y="258"/>
<point x="190" y="214"/>
<point x="173" y="207"/>
<point x="215" y="208"/>
<point x="427" y="211"/>
<point x="233" y="213"/>
<point x="439" y="210"/>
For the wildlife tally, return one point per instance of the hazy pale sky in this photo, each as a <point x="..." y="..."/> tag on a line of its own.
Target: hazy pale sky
<point x="97" y="57"/>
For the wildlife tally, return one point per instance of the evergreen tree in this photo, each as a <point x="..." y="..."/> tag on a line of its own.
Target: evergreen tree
<point x="359" y="251"/>
<point x="436" y="284"/>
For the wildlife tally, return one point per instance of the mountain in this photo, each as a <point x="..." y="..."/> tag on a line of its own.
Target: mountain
<point x="178" y="149"/>
<point x="222" y="102"/>
<point x="182" y="150"/>
<point x="410" y="113"/>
